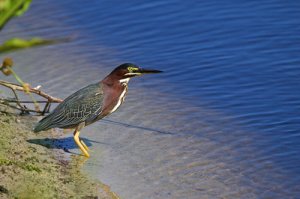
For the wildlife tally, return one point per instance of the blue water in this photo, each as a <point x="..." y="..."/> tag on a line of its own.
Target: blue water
<point x="223" y="121"/>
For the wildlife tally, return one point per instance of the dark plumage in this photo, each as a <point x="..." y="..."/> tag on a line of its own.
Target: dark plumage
<point x="92" y="102"/>
<point x="82" y="106"/>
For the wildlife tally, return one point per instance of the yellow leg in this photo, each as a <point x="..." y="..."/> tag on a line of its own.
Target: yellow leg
<point x="79" y="144"/>
<point x="84" y="145"/>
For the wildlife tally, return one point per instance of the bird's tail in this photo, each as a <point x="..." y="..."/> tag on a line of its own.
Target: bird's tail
<point x="42" y="125"/>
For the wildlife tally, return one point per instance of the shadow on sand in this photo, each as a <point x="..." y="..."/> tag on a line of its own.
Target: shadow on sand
<point x="65" y="143"/>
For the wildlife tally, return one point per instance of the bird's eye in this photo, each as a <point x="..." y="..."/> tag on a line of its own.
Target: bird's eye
<point x="132" y="69"/>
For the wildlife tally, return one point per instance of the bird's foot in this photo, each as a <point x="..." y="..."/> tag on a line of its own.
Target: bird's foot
<point x="85" y="153"/>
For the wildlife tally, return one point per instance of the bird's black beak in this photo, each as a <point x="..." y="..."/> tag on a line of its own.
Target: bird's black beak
<point x="148" y="71"/>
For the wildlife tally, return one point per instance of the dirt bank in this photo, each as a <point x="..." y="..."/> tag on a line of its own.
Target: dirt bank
<point x="32" y="170"/>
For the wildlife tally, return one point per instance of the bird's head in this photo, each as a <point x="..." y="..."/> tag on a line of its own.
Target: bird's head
<point x="126" y="71"/>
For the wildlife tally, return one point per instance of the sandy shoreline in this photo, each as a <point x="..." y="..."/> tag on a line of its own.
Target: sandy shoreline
<point x="37" y="170"/>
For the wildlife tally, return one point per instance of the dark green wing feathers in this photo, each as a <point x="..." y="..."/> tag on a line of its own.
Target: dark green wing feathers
<point x="83" y="105"/>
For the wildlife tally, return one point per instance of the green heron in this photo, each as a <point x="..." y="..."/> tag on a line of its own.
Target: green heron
<point x="92" y="103"/>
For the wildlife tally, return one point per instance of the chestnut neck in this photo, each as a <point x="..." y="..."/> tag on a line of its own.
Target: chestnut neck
<point x="111" y="80"/>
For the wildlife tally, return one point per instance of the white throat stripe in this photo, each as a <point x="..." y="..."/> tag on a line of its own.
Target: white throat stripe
<point x="126" y="80"/>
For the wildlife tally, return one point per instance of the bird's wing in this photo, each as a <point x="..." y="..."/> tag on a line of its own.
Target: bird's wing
<point x="84" y="104"/>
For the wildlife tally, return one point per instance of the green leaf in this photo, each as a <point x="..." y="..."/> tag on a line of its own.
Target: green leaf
<point x="23" y="7"/>
<point x="18" y="43"/>
<point x="4" y="4"/>
<point x="12" y="8"/>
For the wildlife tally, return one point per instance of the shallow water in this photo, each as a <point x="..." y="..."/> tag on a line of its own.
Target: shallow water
<point x="222" y="121"/>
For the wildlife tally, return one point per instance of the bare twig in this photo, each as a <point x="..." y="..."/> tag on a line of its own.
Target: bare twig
<point x="15" y="87"/>
<point x="31" y="90"/>
<point x="23" y="101"/>
<point x="17" y="98"/>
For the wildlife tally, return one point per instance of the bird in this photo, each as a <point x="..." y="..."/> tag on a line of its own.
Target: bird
<point x="92" y="103"/>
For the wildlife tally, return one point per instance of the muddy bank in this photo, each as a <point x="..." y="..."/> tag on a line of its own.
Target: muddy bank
<point x="33" y="170"/>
